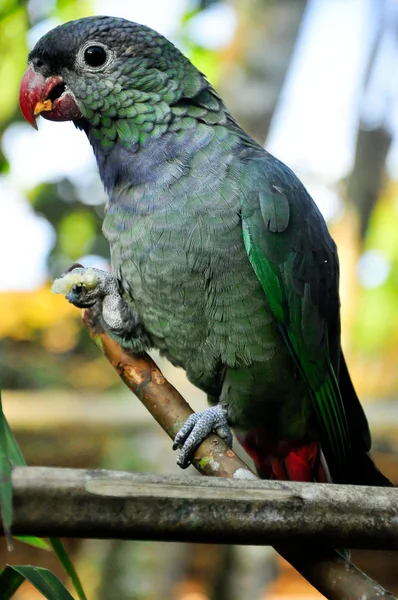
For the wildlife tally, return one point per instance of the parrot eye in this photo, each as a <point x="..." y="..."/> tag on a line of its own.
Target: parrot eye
<point x="95" y="56"/>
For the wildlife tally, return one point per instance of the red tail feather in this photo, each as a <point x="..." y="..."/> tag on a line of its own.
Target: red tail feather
<point x="298" y="461"/>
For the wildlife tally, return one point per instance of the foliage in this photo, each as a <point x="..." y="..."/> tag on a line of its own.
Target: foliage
<point x="12" y="577"/>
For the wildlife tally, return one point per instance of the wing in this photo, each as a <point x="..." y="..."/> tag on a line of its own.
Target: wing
<point x="295" y="259"/>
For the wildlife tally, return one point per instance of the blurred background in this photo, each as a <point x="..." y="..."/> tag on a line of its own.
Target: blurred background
<point x="316" y="81"/>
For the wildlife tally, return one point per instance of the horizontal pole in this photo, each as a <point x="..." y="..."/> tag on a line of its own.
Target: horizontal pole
<point x="124" y="505"/>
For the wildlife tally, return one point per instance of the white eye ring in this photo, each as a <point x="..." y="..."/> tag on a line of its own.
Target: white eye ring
<point x="82" y="56"/>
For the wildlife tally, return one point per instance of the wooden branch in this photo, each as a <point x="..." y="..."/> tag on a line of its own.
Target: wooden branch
<point x="166" y="405"/>
<point x="326" y="570"/>
<point x="78" y="503"/>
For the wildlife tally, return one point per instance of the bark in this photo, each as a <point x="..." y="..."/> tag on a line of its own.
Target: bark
<point x="52" y="502"/>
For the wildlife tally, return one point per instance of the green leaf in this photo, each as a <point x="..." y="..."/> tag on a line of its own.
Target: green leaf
<point x="65" y="561"/>
<point x="42" y="579"/>
<point x="9" y="443"/>
<point x="5" y="479"/>
<point x="11" y="455"/>
<point x="33" y="541"/>
<point x="16" y="459"/>
<point x="14" y="452"/>
<point x="10" y="581"/>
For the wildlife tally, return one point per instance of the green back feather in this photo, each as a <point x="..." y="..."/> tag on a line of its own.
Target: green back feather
<point x="295" y="261"/>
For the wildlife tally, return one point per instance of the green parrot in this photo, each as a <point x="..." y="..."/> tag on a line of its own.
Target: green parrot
<point x="220" y="258"/>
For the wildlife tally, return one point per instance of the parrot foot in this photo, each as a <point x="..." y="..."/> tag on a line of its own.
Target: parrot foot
<point x="88" y="288"/>
<point x="83" y="287"/>
<point x="197" y="428"/>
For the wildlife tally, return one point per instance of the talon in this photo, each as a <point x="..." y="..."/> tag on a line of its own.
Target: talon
<point x="196" y="429"/>
<point x="72" y="267"/>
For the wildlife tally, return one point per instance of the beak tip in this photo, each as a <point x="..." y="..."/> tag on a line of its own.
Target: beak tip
<point x="31" y="91"/>
<point x="29" y="118"/>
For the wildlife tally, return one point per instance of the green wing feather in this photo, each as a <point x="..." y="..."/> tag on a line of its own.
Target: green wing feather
<point x="296" y="262"/>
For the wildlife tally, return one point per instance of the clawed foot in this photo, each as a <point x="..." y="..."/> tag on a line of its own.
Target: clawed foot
<point x="197" y="428"/>
<point x="99" y="290"/>
<point x="83" y="287"/>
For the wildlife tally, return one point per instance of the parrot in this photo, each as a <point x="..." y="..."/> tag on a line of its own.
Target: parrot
<point x="220" y="259"/>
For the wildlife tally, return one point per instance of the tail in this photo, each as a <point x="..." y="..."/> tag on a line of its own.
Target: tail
<point x="361" y="470"/>
<point x="303" y="460"/>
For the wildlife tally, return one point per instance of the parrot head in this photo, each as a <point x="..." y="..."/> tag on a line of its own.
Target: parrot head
<point x="101" y="71"/>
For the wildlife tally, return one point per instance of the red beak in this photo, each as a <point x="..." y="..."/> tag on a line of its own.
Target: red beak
<point x="34" y="98"/>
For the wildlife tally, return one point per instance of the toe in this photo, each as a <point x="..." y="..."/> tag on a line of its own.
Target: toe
<point x="198" y="434"/>
<point x="185" y="430"/>
<point x="77" y="297"/>
<point x="225" y="433"/>
<point x="72" y="268"/>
